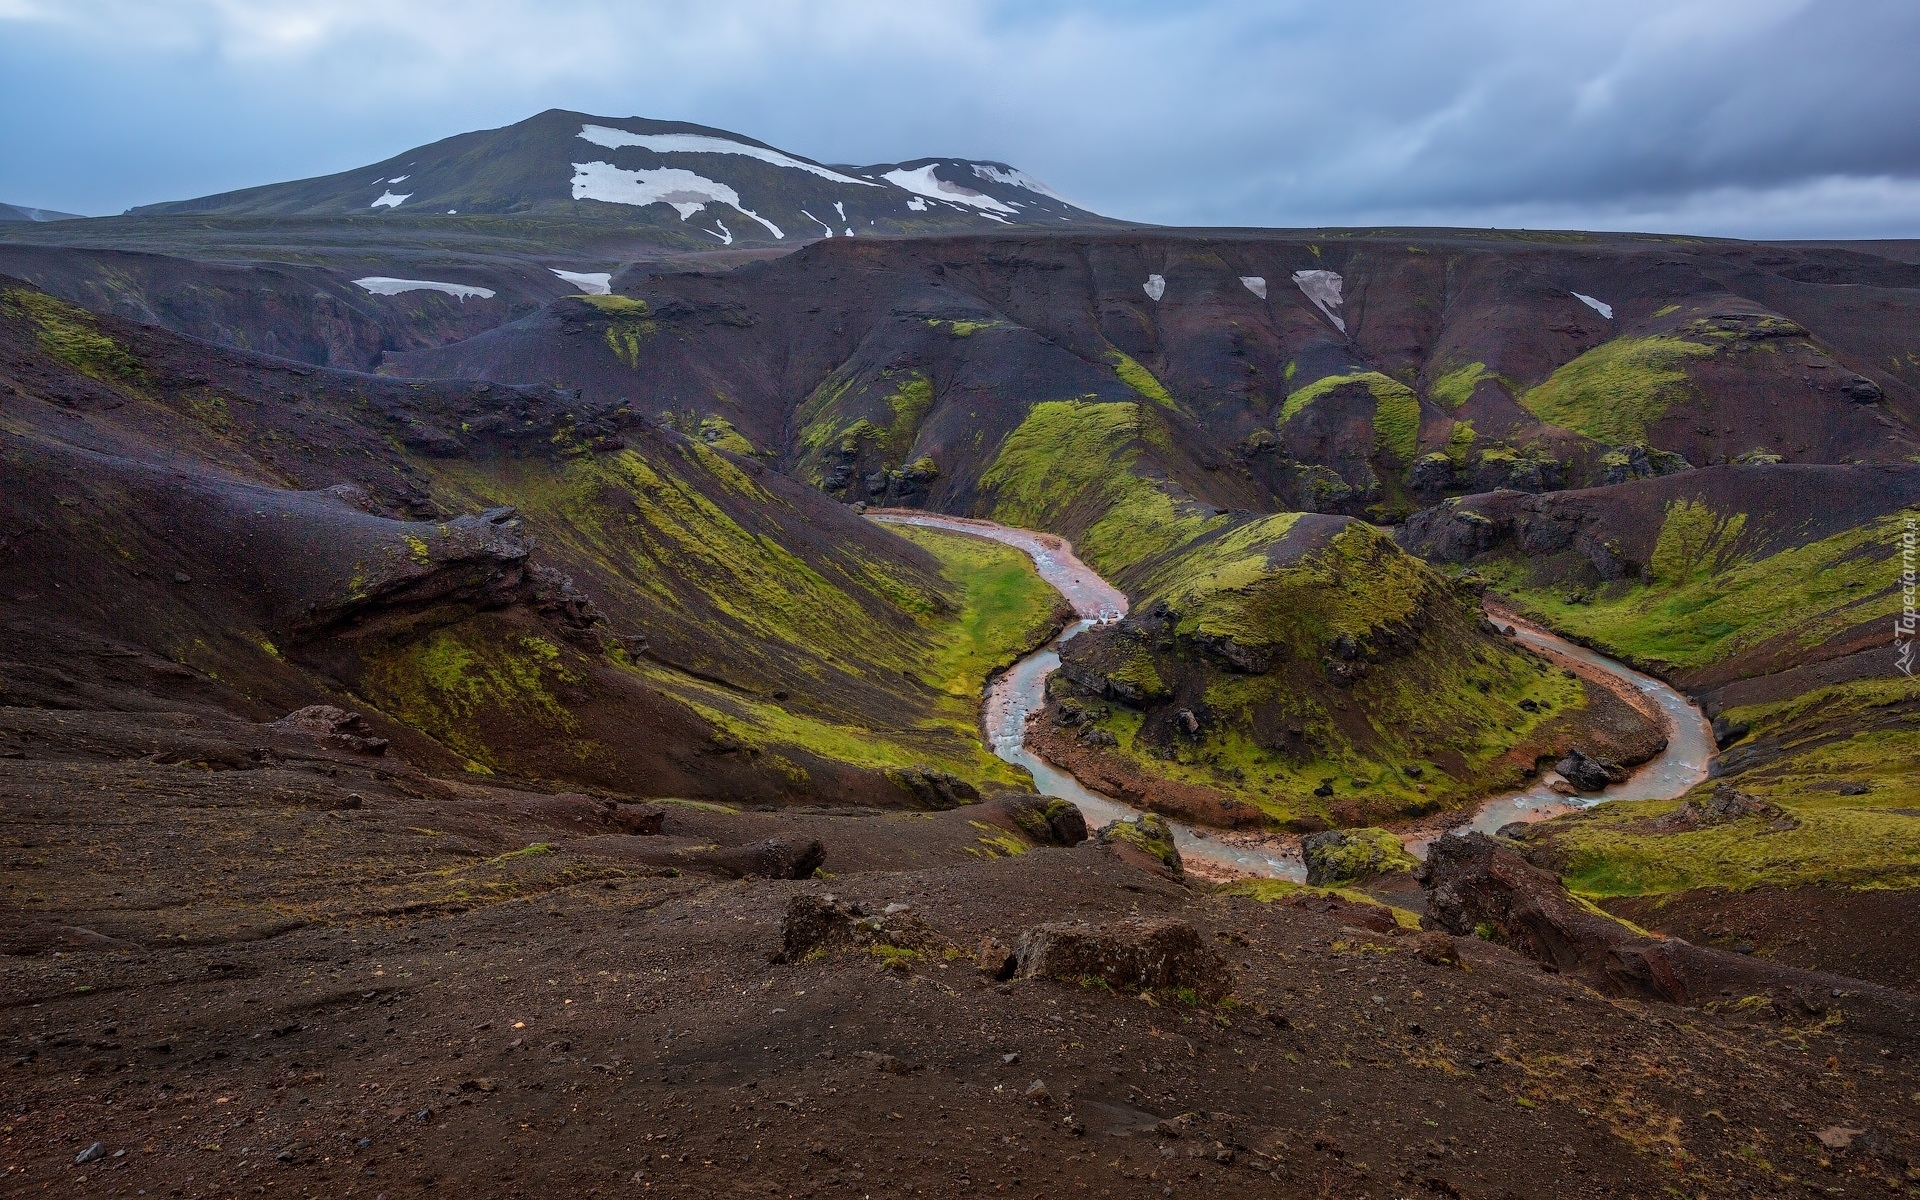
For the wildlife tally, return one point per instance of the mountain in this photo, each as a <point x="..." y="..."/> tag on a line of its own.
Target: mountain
<point x="714" y="187"/>
<point x="15" y="212"/>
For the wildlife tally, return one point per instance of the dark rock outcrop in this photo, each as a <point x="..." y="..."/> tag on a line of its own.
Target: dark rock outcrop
<point x="1133" y="955"/>
<point x="825" y="924"/>
<point x="931" y="789"/>
<point x="775" y="858"/>
<point x="1146" y="841"/>
<point x="1586" y="773"/>
<point x="335" y="727"/>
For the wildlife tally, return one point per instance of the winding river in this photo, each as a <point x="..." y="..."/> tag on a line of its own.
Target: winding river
<point x="1015" y="694"/>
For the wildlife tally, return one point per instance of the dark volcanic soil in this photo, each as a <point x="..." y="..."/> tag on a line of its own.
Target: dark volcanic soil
<point x="239" y="982"/>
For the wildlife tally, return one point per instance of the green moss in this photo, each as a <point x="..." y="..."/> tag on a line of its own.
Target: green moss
<point x="1460" y="443"/>
<point x="457" y="681"/>
<point x="1148" y="833"/>
<point x="1140" y="379"/>
<point x="1615" y="390"/>
<point x="1396" y="414"/>
<point x="962" y="328"/>
<point x="996" y="842"/>
<point x="1006" y="609"/>
<point x="718" y="432"/>
<point x="1356" y="853"/>
<point x="1074" y="466"/>
<point x="1456" y="386"/>
<point x="72" y="335"/>
<point x="617" y="306"/>
<point x="1709" y="601"/>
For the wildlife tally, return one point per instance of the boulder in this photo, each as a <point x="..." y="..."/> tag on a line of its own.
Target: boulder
<point x="775" y="858"/>
<point x="1343" y="855"/>
<point x="1726" y="804"/>
<point x="335" y="727"/>
<point x="1134" y="955"/>
<point x="1587" y="774"/>
<point x="1727" y="731"/>
<point x="1145" y="841"/>
<point x="825" y="924"/>
<point x="936" y="790"/>
<point x="1048" y="820"/>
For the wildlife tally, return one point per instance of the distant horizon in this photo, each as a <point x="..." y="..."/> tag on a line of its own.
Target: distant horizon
<point x="1776" y="121"/>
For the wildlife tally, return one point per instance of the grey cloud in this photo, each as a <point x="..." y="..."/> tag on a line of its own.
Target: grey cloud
<point x="1763" y="117"/>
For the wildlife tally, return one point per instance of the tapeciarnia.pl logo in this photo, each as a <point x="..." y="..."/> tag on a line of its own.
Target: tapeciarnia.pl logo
<point x="1904" y="625"/>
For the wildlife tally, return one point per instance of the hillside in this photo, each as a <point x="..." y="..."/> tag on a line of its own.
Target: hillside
<point x="504" y="580"/>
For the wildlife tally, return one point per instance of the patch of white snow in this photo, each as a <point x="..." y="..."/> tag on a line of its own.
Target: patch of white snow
<point x="382" y="285"/>
<point x="809" y="216"/>
<point x="1255" y="284"/>
<point x="840" y="206"/>
<point x="923" y="182"/>
<point x="400" y="179"/>
<point x="1155" y="287"/>
<point x="389" y="200"/>
<point x="1605" y="310"/>
<point x="725" y="235"/>
<point x="1323" y="288"/>
<point x="593" y="283"/>
<point x="700" y="143"/>
<point x="1017" y="178"/>
<point x="685" y="191"/>
<point x="916" y="204"/>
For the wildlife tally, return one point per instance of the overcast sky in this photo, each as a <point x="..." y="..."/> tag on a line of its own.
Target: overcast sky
<point x="1761" y="118"/>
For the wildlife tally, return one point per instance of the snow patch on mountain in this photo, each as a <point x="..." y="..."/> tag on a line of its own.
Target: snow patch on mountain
<point x="923" y="182"/>
<point x="1605" y="310"/>
<point x="383" y="285"/>
<point x="1323" y="288"/>
<point x="685" y="191"/>
<point x="593" y="283"/>
<point x="1155" y="287"/>
<point x="1014" y="177"/>
<point x="816" y="220"/>
<point x="725" y="235"/>
<point x="389" y="200"/>
<point x="916" y="204"/>
<point x="1255" y="284"/>
<point x="700" y="143"/>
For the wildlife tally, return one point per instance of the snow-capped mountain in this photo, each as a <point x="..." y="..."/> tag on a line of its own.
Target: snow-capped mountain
<point x="718" y="187"/>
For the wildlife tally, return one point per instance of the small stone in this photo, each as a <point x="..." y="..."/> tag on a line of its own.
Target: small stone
<point x="1838" y="1137"/>
<point x="1010" y="1058"/>
<point x="93" y="1153"/>
<point x="1037" y="1093"/>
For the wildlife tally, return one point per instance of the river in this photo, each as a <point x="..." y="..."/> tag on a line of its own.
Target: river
<point x="1016" y="693"/>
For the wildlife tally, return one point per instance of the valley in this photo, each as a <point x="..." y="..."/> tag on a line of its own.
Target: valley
<point x="617" y="690"/>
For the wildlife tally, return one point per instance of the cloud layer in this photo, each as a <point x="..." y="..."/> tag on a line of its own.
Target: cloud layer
<point x="1769" y="118"/>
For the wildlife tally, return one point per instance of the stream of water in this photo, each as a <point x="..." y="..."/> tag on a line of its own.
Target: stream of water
<point x="1015" y="694"/>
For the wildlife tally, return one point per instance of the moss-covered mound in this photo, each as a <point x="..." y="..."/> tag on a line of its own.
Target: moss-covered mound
<point x="1305" y="667"/>
<point x="1345" y="855"/>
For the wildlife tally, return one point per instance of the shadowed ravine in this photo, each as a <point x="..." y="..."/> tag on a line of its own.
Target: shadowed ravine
<point x="1014" y="695"/>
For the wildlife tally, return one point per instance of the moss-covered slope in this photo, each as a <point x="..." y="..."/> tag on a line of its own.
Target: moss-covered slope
<point x="504" y="579"/>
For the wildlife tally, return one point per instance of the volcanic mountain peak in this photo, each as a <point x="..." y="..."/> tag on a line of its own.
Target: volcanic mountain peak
<point x="669" y="173"/>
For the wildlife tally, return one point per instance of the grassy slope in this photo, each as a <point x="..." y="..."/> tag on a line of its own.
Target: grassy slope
<point x="1708" y="601"/>
<point x="1006" y="609"/>
<point x="1707" y="605"/>
<point x="731" y="602"/>
<point x="1613" y="391"/>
